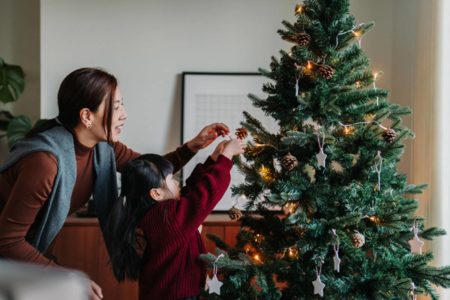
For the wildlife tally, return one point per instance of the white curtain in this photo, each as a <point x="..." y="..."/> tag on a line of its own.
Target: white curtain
<point x="431" y="121"/>
<point x="440" y="205"/>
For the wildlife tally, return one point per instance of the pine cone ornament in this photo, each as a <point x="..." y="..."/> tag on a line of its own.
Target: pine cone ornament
<point x="303" y="39"/>
<point x="358" y="239"/>
<point x="234" y="213"/>
<point x="241" y="133"/>
<point x="389" y="135"/>
<point x="289" y="162"/>
<point x="326" y="71"/>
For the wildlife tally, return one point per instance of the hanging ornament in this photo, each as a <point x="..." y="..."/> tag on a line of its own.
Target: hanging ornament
<point x="289" y="162"/>
<point x="413" y="291"/>
<point x="416" y="244"/>
<point x="241" y="133"/>
<point x="214" y="284"/>
<point x="375" y="76"/>
<point x="277" y="165"/>
<point x="378" y="167"/>
<point x="321" y="156"/>
<point x="326" y="71"/>
<point x="303" y="39"/>
<point x="318" y="284"/>
<point x="235" y="213"/>
<point x="389" y="135"/>
<point x="358" y="239"/>
<point x="336" y="259"/>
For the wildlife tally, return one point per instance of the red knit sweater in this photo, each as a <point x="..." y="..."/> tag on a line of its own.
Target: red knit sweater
<point x="172" y="268"/>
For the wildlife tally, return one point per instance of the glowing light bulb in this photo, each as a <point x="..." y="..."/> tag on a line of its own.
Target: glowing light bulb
<point x="265" y="173"/>
<point x="299" y="9"/>
<point x="357" y="33"/>
<point x="293" y="252"/>
<point x="309" y="65"/>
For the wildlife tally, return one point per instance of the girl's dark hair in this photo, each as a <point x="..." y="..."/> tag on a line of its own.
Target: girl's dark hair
<point x="139" y="176"/>
<point x="83" y="88"/>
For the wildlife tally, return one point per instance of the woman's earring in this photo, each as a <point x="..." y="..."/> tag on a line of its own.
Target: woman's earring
<point x="89" y="125"/>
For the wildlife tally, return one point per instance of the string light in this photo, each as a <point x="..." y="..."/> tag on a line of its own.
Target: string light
<point x="290" y="208"/>
<point x="259" y="238"/>
<point x="293" y="252"/>
<point x="257" y="258"/>
<point x="265" y="174"/>
<point x="349" y="130"/>
<point x="357" y="33"/>
<point x="375" y="219"/>
<point x="309" y="65"/>
<point x="369" y="118"/>
<point x="299" y="9"/>
<point x="358" y="84"/>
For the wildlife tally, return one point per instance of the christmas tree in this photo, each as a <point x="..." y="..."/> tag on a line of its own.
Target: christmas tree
<point x="348" y="227"/>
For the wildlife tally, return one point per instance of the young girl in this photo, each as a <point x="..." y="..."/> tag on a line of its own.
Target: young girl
<point x="170" y="267"/>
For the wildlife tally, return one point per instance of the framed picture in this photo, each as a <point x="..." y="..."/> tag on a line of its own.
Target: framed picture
<point x="219" y="97"/>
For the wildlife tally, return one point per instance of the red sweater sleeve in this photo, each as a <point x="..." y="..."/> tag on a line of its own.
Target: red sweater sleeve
<point x="203" y="194"/>
<point x="35" y="174"/>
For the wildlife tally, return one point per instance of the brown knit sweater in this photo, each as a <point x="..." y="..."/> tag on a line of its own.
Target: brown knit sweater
<point x="25" y="187"/>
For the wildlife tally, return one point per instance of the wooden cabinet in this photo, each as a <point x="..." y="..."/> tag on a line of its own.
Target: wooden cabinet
<point x="80" y="246"/>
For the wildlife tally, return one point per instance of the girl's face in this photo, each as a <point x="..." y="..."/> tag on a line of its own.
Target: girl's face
<point x="172" y="188"/>
<point x="117" y="119"/>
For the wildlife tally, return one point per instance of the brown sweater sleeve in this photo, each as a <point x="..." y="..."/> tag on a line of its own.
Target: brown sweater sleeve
<point x="179" y="157"/>
<point x="33" y="181"/>
<point x="123" y="155"/>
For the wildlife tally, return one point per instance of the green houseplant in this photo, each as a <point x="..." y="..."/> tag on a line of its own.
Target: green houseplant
<point x="12" y="84"/>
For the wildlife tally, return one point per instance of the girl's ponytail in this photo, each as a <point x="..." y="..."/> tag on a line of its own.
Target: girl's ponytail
<point x="138" y="177"/>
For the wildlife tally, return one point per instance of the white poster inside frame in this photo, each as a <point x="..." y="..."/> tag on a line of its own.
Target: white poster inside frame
<point x="220" y="97"/>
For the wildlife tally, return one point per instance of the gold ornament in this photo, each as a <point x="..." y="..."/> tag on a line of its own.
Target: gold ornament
<point x="241" y="133"/>
<point x="389" y="135"/>
<point x="369" y="117"/>
<point x="326" y="71"/>
<point x="234" y="213"/>
<point x="358" y="239"/>
<point x="289" y="162"/>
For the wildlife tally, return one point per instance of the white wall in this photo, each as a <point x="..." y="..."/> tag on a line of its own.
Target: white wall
<point x="147" y="44"/>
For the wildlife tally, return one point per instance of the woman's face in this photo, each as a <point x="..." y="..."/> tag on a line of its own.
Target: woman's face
<point x="117" y="119"/>
<point x="118" y="116"/>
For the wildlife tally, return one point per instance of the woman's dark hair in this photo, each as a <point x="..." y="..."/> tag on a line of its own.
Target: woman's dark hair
<point x="139" y="176"/>
<point x="83" y="88"/>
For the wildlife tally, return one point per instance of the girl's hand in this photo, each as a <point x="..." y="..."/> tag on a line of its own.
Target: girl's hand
<point x="96" y="292"/>
<point x="233" y="147"/>
<point x="218" y="150"/>
<point x="207" y="135"/>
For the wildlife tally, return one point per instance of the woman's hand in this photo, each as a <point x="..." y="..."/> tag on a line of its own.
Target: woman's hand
<point x="96" y="292"/>
<point x="207" y="135"/>
<point x="233" y="147"/>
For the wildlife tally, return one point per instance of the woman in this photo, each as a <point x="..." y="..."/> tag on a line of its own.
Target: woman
<point x="54" y="171"/>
